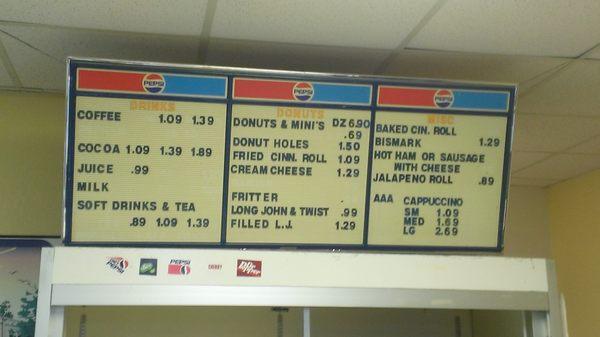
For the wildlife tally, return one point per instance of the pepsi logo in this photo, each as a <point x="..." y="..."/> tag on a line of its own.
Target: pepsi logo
<point x="443" y="98"/>
<point x="153" y="83"/>
<point x="303" y="91"/>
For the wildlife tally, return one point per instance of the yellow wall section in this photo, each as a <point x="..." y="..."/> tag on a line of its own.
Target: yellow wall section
<point x="574" y="208"/>
<point x="32" y="132"/>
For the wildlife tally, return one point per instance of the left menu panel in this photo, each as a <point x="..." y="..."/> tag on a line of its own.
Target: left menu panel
<point x="147" y="159"/>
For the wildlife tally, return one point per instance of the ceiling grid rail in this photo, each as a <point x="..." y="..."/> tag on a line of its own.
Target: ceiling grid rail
<point x="545" y="77"/>
<point x="10" y="68"/>
<point x="382" y="68"/>
<point x="209" y="17"/>
<point x="552" y="73"/>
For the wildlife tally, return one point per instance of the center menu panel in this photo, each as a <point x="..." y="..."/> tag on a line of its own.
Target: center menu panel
<point x="297" y="174"/>
<point x="206" y="156"/>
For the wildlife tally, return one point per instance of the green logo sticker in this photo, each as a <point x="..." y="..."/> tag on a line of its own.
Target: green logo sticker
<point x="148" y="267"/>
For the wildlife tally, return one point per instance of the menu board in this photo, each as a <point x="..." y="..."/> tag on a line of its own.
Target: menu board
<point x="197" y="156"/>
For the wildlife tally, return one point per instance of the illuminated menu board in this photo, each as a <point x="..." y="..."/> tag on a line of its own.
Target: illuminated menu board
<point x="165" y="155"/>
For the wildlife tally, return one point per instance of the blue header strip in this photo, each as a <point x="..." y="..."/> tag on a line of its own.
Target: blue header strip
<point x="481" y="100"/>
<point x="195" y="86"/>
<point x="339" y="93"/>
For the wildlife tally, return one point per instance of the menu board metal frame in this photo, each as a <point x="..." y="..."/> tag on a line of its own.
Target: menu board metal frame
<point x="73" y="64"/>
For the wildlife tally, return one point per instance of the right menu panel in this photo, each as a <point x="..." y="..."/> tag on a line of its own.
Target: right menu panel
<point x="438" y="167"/>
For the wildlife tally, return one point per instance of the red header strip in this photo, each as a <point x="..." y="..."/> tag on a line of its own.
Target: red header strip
<point x="263" y="89"/>
<point x="406" y="96"/>
<point x="110" y="80"/>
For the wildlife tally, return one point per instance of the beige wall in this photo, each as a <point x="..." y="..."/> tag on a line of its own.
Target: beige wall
<point x="31" y="151"/>
<point x="574" y="208"/>
<point x="179" y="322"/>
<point x="498" y="323"/>
<point x="527" y="233"/>
<point x="262" y="322"/>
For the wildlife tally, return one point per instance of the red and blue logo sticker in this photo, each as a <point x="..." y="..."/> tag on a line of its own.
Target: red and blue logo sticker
<point x="153" y="83"/>
<point x="117" y="263"/>
<point x="179" y="267"/>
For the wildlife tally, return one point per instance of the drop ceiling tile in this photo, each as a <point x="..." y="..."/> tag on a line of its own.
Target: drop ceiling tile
<point x="469" y="66"/>
<point x="61" y="43"/>
<point x="591" y="146"/>
<point x="35" y="70"/>
<point x="41" y="71"/>
<point x="269" y="55"/>
<point x="532" y="182"/>
<point x="552" y="133"/>
<point x="594" y="54"/>
<point x="182" y="17"/>
<point x="520" y="160"/>
<point x="561" y="166"/>
<point x="354" y="23"/>
<point x="536" y="27"/>
<point x="572" y="91"/>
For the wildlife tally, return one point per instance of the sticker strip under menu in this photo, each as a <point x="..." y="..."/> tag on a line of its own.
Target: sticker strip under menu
<point x="442" y="98"/>
<point x="147" y="83"/>
<point x="301" y="92"/>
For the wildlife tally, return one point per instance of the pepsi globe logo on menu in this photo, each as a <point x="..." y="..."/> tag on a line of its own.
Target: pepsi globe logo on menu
<point x="303" y="91"/>
<point x="153" y="83"/>
<point x="443" y="98"/>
